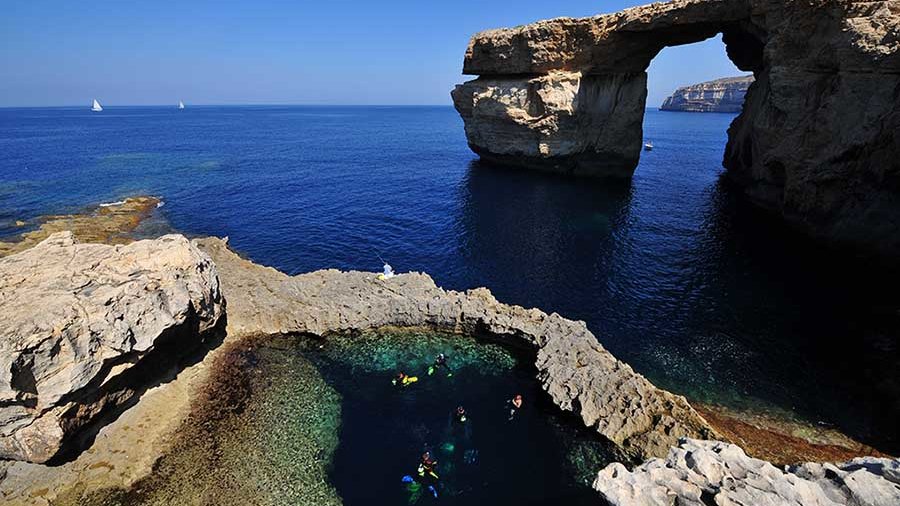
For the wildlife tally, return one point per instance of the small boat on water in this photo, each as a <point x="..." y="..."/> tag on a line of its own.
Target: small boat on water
<point x="648" y="146"/>
<point x="180" y="105"/>
<point x="96" y="106"/>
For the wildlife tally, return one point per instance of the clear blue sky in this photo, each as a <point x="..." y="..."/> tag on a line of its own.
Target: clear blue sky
<point x="275" y="51"/>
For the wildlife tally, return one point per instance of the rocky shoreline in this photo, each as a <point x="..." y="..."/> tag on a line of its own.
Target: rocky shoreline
<point x="698" y="473"/>
<point x="621" y="406"/>
<point x="111" y="223"/>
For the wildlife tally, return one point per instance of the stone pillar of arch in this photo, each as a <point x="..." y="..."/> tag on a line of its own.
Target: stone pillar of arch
<point x="817" y="140"/>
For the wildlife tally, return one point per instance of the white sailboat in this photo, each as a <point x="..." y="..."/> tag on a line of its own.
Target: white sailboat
<point x="180" y="105"/>
<point x="96" y="106"/>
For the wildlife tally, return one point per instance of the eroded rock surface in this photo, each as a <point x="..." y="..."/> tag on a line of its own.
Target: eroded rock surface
<point x="577" y="372"/>
<point x="111" y="223"/>
<point x="712" y="472"/>
<point x="85" y="326"/>
<point x="720" y="95"/>
<point x="817" y="140"/>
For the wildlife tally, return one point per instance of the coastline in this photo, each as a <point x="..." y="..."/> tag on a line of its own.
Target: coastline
<point x="106" y="223"/>
<point x="264" y="302"/>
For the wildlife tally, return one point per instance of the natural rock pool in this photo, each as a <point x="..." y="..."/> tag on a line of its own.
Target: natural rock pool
<point x="296" y="420"/>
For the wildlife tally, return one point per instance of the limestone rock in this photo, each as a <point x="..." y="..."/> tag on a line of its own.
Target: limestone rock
<point x="817" y="140"/>
<point x="720" y="95"/>
<point x="577" y="372"/>
<point x="713" y="472"/>
<point x="84" y="326"/>
<point x="560" y="122"/>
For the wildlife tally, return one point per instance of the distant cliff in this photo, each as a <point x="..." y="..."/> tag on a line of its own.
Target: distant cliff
<point x="720" y="95"/>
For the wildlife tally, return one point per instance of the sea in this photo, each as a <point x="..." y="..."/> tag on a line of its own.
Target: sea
<point x="672" y="271"/>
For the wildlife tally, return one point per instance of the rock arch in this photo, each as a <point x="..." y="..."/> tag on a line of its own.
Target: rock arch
<point x="817" y="140"/>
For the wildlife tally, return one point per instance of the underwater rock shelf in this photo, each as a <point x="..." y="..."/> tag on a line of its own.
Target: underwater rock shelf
<point x="291" y="419"/>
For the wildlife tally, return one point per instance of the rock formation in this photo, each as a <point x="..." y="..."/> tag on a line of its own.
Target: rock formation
<point x="137" y="299"/>
<point x="84" y="328"/>
<point x="577" y="372"/>
<point x="107" y="223"/>
<point x="817" y="141"/>
<point x="697" y="473"/>
<point x="720" y="95"/>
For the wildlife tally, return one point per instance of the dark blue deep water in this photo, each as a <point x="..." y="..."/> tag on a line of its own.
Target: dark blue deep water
<point x="672" y="272"/>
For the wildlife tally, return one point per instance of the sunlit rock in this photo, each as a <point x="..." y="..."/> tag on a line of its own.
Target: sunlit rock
<point x="817" y="141"/>
<point x="85" y="327"/>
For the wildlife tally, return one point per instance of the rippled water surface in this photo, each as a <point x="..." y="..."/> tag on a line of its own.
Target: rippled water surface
<point x="671" y="272"/>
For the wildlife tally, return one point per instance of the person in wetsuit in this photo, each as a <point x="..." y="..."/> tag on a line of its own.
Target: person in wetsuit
<point x="428" y="467"/>
<point x="459" y="416"/>
<point x="440" y="361"/>
<point x="514" y="404"/>
<point x="402" y="379"/>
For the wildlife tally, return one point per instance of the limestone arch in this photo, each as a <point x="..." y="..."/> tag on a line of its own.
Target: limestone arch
<point x="816" y="142"/>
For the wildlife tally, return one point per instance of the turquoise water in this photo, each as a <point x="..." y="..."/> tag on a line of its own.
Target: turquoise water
<point x="321" y="423"/>
<point x="533" y="458"/>
<point x="671" y="271"/>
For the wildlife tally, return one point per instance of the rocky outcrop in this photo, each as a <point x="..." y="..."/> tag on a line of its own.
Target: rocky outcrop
<point x="720" y="95"/>
<point x="816" y="142"/>
<point x="111" y="223"/>
<point x="577" y="372"/>
<point x="85" y="327"/>
<point x="559" y="122"/>
<point x="711" y="472"/>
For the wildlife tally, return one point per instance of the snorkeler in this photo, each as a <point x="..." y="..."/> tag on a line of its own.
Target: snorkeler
<point x="460" y="414"/>
<point x="403" y="380"/>
<point x="440" y="361"/>
<point x="428" y="467"/>
<point x="515" y="404"/>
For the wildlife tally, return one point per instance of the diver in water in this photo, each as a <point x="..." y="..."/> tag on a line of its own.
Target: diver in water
<point x="459" y="416"/>
<point x="439" y="362"/>
<point x="428" y="467"/>
<point x="403" y="380"/>
<point x="515" y="404"/>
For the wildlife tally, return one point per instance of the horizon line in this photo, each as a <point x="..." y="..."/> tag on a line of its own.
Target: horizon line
<point x="288" y="104"/>
<point x="175" y="104"/>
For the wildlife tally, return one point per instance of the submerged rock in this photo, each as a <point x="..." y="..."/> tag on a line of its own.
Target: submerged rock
<point x="817" y="141"/>
<point x="111" y="223"/>
<point x="720" y="95"/>
<point x="713" y="472"/>
<point x="577" y="372"/>
<point x="85" y="328"/>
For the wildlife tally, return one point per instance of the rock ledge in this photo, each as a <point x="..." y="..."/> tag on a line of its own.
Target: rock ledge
<point x="698" y="473"/>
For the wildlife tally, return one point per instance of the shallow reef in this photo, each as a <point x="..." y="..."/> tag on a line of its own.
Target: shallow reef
<point x="110" y="223"/>
<point x="299" y="420"/>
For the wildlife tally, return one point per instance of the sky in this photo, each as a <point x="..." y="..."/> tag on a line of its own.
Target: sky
<point x="55" y="52"/>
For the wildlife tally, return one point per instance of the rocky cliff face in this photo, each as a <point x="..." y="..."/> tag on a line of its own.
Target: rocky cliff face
<point x="721" y="95"/>
<point x="817" y="141"/>
<point x="697" y="473"/>
<point x="84" y="328"/>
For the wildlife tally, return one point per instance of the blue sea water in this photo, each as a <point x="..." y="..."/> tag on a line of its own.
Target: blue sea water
<point x="672" y="271"/>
